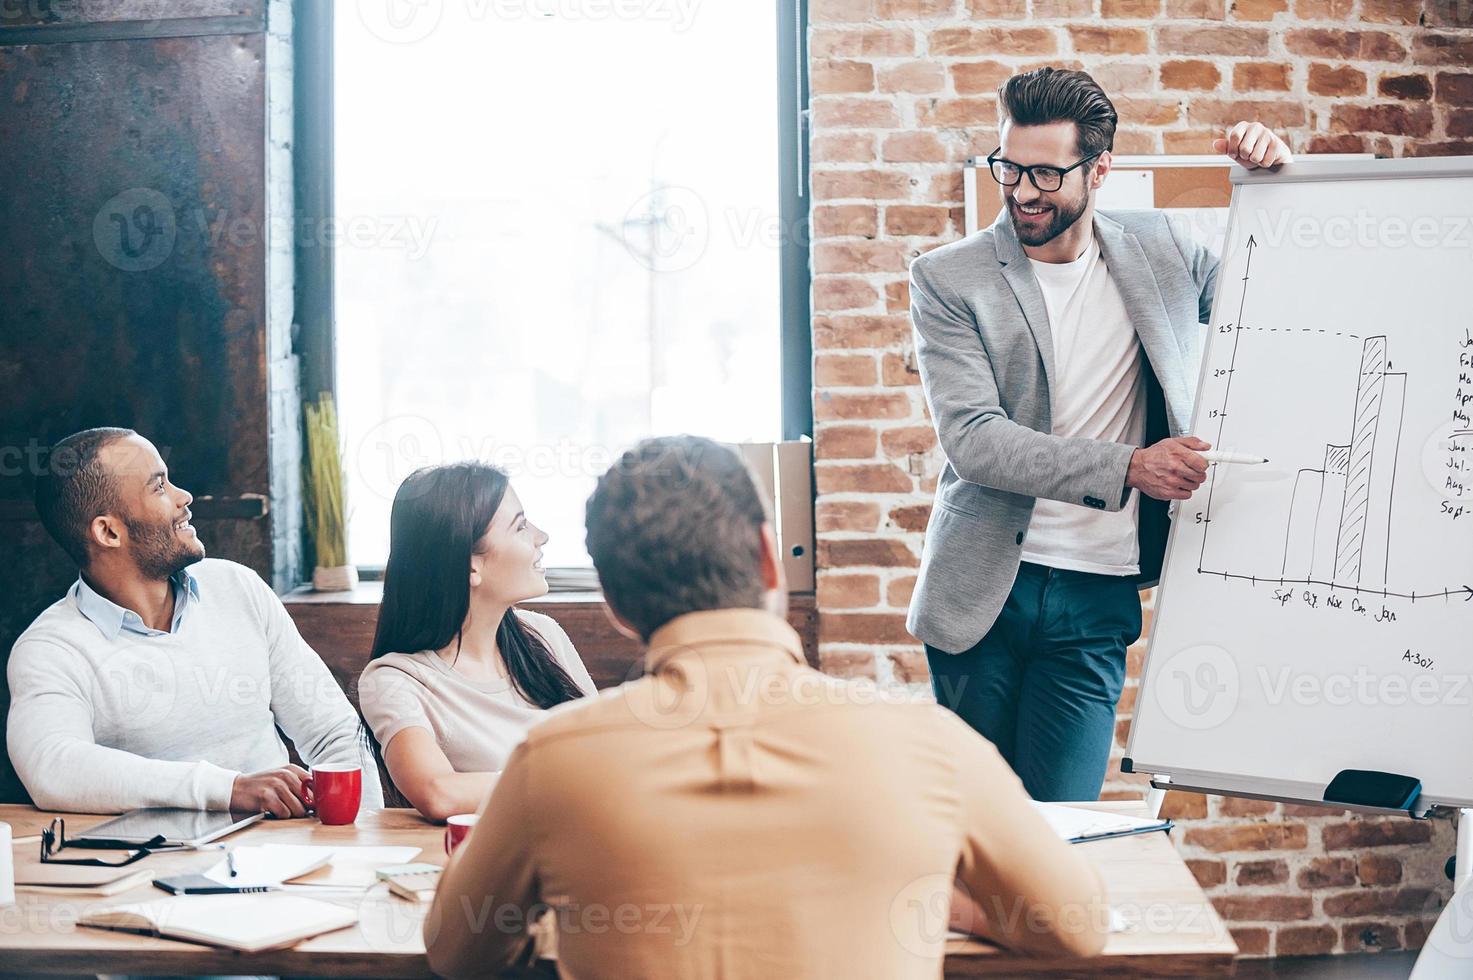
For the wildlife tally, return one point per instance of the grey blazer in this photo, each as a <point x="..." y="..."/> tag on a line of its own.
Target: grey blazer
<point x="987" y="367"/>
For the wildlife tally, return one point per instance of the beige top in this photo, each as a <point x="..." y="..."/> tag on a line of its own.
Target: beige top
<point x="475" y="723"/>
<point x="736" y="813"/>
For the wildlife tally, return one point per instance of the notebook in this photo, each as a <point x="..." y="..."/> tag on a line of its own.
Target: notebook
<point x="416" y="882"/>
<point x="1077" y="824"/>
<point x="326" y="866"/>
<point x="248" y="923"/>
<point x="54" y="879"/>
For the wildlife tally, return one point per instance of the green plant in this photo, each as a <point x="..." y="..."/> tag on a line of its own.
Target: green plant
<point x="327" y="511"/>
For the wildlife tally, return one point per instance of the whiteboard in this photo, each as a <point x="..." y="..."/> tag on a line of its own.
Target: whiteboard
<point x="1316" y="612"/>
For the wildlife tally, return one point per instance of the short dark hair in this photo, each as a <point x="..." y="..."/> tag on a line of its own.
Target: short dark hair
<point x="1049" y="95"/>
<point x="674" y="527"/>
<point x="73" y="488"/>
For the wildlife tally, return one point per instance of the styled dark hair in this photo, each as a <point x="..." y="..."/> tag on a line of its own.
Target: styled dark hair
<point x="73" y="488"/>
<point x="439" y="514"/>
<point x="1049" y="95"/>
<point x="674" y="527"/>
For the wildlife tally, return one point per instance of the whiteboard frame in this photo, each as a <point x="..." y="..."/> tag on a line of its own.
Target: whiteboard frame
<point x="1262" y="788"/>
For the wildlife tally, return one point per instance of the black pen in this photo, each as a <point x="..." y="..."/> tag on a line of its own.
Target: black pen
<point x="230" y="862"/>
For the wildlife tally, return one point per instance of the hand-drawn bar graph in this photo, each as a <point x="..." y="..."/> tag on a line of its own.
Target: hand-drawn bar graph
<point x="1340" y="514"/>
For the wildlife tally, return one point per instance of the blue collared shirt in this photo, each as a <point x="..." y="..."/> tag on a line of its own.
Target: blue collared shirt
<point x="111" y="618"/>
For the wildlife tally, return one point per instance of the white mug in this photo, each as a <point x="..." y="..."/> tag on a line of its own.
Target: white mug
<point x="7" y="868"/>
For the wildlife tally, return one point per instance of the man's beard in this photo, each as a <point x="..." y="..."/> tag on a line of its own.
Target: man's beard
<point x="1061" y="220"/>
<point x="158" y="550"/>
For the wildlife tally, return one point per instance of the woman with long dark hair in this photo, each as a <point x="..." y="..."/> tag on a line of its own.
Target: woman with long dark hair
<point x="458" y="673"/>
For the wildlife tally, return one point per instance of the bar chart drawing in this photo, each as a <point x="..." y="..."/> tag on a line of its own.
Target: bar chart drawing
<point x="1339" y="526"/>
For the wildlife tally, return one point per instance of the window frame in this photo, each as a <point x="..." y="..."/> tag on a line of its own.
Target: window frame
<point x="313" y="161"/>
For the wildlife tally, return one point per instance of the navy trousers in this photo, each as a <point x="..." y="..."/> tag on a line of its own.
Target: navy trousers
<point x="1042" y="685"/>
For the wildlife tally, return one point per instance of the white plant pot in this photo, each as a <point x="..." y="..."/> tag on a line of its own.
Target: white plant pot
<point x="342" y="578"/>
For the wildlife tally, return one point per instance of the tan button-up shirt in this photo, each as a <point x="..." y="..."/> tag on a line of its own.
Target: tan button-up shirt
<point x="736" y="813"/>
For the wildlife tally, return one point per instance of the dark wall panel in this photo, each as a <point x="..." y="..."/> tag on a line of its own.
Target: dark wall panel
<point x="132" y="290"/>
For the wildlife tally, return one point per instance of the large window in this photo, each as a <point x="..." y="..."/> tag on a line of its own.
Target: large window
<point x="559" y="232"/>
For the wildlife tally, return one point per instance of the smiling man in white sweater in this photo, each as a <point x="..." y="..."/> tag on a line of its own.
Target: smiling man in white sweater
<point x="161" y="677"/>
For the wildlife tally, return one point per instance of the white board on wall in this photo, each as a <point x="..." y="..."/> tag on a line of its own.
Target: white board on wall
<point x="1316" y="612"/>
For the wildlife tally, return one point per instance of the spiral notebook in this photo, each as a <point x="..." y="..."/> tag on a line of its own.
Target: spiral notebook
<point x="248" y="923"/>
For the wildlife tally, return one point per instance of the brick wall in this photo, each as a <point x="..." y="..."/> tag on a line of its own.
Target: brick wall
<point x="903" y="92"/>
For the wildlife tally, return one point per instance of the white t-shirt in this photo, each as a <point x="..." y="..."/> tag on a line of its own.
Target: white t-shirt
<point x="1098" y="393"/>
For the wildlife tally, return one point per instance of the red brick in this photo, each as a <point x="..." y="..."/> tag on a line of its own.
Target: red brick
<point x="978" y="77"/>
<point x="1214" y="40"/>
<point x="1390" y="11"/>
<point x="1414" y="934"/>
<point x="1319" y="42"/>
<point x="898" y="592"/>
<point x="1251" y="940"/>
<point x="1261" y="76"/>
<point x="918" y="147"/>
<point x="1398" y="120"/>
<point x="873" y="552"/>
<point x="1441" y="148"/>
<point x="862" y="478"/>
<point x="844" y="371"/>
<point x="848" y="591"/>
<point x="1189" y="140"/>
<point x="1258" y="9"/>
<point x="829" y="77"/>
<point x="1251" y="873"/>
<point x="897" y="296"/>
<point x="1197" y="75"/>
<point x="1047" y="9"/>
<point x="846" y="515"/>
<point x="909" y="666"/>
<point x="1130" y="9"/>
<point x="825" y="11"/>
<point x="1374" y="869"/>
<point x="1237" y="806"/>
<point x="910" y="517"/>
<point x="1338" y="80"/>
<point x="913" y="9"/>
<point x="1381" y="902"/>
<point x="1455" y="88"/>
<point x="997" y="9"/>
<point x="834" y="112"/>
<point x="945" y="188"/>
<point x="859" y="332"/>
<point x="1460" y="123"/>
<point x="1091" y="39"/>
<point x="848" y="663"/>
<point x="1340" y="143"/>
<point x="1264" y="908"/>
<point x="845" y="442"/>
<point x="916" y="219"/>
<point x="1312" y="812"/>
<point x="1368" y="937"/>
<point x="866" y="185"/>
<point x="913" y="76"/>
<point x="1248" y="837"/>
<point x="844" y="148"/>
<point x="897" y="370"/>
<point x="840" y="293"/>
<point x="956" y="113"/>
<point x="1324" y="9"/>
<point x="1414" y="87"/>
<point x="887" y="405"/>
<point x="1123" y="76"/>
<point x="1196" y="9"/>
<point x="1183" y="806"/>
<point x="1209" y="874"/>
<point x="874" y="42"/>
<point x="1275" y="114"/>
<point x="908" y="439"/>
<point x="971" y="42"/>
<point x="846" y="221"/>
<point x="1447" y="13"/>
<point x="1327" y="872"/>
<point x="1304" y="941"/>
<point x="1147" y="112"/>
<point x="1375" y="833"/>
<point x="859" y="257"/>
<point x="1132" y="140"/>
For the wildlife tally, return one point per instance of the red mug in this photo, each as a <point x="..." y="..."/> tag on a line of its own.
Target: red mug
<point x="457" y="828"/>
<point x="337" y="791"/>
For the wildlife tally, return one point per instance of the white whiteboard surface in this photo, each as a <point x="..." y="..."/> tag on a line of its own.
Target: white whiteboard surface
<point x="1316" y="612"/>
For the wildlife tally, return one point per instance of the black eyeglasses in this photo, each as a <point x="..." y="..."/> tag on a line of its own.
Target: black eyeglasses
<point x="53" y="839"/>
<point x="1007" y="173"/>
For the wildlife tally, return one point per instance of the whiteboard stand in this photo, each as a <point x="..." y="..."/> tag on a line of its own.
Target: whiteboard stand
<point x="1155" y="796"/>
<point x="1448" y="952"/>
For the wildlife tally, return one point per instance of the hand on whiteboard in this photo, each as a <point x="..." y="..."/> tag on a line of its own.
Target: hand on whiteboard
<point x="1170" y="470"/>
<point x="1253" y="145"/>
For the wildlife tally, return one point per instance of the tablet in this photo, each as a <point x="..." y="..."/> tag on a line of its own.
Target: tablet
<point x="189" y="828"/>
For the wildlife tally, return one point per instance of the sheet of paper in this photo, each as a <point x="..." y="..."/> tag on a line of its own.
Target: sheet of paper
<point x="269" y="864"/>
<point x="1073" y="822"/>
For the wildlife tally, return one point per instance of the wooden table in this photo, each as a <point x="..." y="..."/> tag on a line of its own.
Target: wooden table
<point x="1174" y="930"/>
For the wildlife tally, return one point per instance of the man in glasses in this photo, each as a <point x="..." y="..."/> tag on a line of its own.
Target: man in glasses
<point x="162" y="677"/>
<point x="1058" y="352"/>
